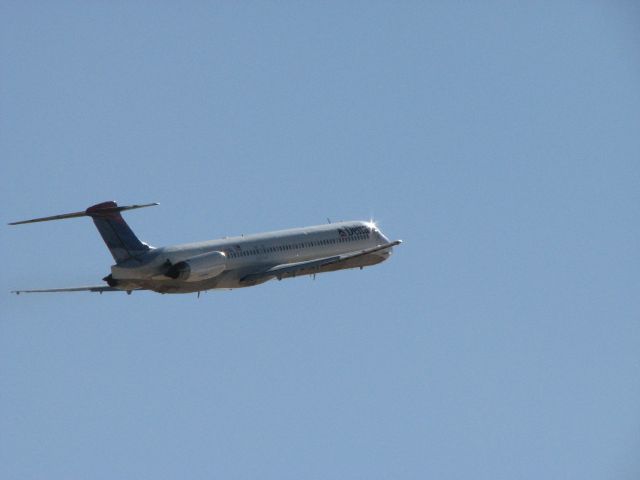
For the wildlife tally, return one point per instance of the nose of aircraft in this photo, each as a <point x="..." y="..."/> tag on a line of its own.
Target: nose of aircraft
<point x="378" y="235"/>
<point x="383" y="238"/>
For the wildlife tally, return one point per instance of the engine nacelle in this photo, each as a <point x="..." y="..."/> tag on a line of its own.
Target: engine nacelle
<point x="200" y="267"/>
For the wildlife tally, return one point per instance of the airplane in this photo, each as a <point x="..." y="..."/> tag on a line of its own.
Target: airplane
<point x="226" y="263"/>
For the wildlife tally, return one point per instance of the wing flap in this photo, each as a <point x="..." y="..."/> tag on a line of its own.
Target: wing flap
<point x="311" y="266"/>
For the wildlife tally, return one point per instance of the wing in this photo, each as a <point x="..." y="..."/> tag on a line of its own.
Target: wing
<point x="312" y="266"/>
<point x="96" y="288"/>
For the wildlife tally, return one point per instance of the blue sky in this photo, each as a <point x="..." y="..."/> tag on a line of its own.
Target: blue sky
<point x="500" y="141"/>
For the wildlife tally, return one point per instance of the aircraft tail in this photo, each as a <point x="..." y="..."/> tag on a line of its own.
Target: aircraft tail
<point x="119" y="238"/>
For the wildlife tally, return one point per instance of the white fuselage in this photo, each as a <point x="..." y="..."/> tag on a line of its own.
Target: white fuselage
<point x="233" y="257"/>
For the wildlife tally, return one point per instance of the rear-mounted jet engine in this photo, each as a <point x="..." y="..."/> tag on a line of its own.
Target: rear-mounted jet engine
<point x="200" y="267"/>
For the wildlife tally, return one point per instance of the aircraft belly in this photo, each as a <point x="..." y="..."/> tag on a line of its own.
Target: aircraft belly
<point x="225" y="280"/>
<point x="358" y="262"/>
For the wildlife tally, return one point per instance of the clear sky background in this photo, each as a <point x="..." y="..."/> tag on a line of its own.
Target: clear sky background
<point x="501" y="142"/>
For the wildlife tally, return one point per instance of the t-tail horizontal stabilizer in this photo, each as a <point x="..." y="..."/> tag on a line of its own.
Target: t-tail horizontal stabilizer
<point x="120" y="239"/>
<point x="109" y="207"/>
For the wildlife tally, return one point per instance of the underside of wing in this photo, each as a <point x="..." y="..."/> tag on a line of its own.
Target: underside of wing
<point x="96" y="288"/>
<point x="315" y="266"/>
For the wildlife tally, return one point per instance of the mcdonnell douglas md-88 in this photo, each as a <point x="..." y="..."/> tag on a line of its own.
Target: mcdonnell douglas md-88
<point x="227" y="263"/>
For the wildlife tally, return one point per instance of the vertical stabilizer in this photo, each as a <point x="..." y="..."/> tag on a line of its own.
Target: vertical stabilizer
<point x="120" y="239"/>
